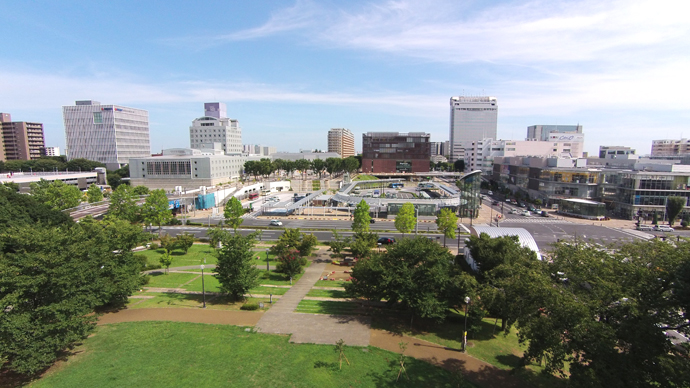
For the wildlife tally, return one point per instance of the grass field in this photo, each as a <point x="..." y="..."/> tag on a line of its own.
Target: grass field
<point x="171" y="300"/>
<point x="365" y="177"/>
<point x="327" y="293"/>
<point x="173" y="354"/>
<point x="330" y="283"/>
<point x="327" y="307"/>
<point x="171" y="280"/>
<point x="195" y="256"/>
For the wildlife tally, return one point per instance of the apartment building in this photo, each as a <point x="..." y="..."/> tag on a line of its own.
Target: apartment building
<point x="341" y="141"/>
<point x="20" y="140"/>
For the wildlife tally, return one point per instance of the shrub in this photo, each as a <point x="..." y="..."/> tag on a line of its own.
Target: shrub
<point x="249" y="307"/>
<point x="153" y="246"/>
<point x="195" y="223"/>
<point x="684" y="224"/>
<point x="145" y="280"/>
<point x="175" y="221"/>
<point x="266" y="275"/>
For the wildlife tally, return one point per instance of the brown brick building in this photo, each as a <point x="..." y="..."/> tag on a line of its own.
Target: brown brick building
<point x="390" y="152"/>
<point x="20" y="140"/>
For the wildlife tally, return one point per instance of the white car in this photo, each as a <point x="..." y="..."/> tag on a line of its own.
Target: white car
<point x="514" y="211"/>
<point x="526" y="213"/>
<point x="276" y="223"/>
<point x="647" y="228"/>
<point x="664" y="228"/>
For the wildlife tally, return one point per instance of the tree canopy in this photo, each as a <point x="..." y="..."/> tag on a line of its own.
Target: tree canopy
<point x="235" y="270"/>
<point x="674" y="205"/>
<point x="123" y="204"/>
<point x="233" y="213"/>
<point x="361" y="217"/>
<point x="405" y="220"/>
<point x="447" y="223"/>
<point x="156" y="208"/>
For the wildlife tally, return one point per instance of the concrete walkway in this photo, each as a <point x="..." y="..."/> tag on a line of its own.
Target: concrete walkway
<point x="312" y="328"/>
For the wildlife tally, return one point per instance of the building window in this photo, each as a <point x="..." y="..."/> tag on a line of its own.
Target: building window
<point x="97" y="118"/>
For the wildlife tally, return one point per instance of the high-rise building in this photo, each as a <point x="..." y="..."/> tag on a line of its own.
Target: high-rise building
<point x="20" y="140"/>
<point x="341" y="141"/>
<point x="555" y="133"/>
<point x="668" y="147"/>
<point x="110" y="134"/>
<point x="471" y="119"/>
<point x="393" y="152"/>
<point x="52" y="151"/>
<point x="215" y="127"/>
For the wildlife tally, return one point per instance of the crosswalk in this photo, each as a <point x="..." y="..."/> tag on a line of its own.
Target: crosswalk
<point x="540" y="220"/>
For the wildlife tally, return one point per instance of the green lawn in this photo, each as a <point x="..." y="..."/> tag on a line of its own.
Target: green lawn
<point x="327" y="307"/>
<point x="330" y="283"/>
<point x="174" y="354"/>
<point x="194" y="256"/>
<point x="170" y="280"/>
<point x="172" y="300"/>
<point x="277" y="279"/>
<point x="211" y="284"/>
<point x="327" y="293"/>
<point x="269" y="290"/>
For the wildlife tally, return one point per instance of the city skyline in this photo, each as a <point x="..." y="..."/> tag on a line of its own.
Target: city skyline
<point x="305" y="67"/>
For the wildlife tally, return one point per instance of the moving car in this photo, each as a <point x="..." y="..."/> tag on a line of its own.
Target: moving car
<point x="526" y="213"/>
<point x="494" y="203"/>
<point x="490" y="192"/>
<point x="664" y="228"/>
<point x="544" y="214"/>
<point x="647" y="228"/>
<point x="276" y="223"/>
<point x="386" y="240"/>
<point x="372" y="221"/>
<point x="514" y="211"/>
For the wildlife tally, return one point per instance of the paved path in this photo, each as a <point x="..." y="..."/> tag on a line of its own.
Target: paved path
<point x="477" y="371"/>
<point x="312" y="328"/>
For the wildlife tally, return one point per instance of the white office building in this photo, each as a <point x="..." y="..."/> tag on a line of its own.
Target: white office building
<point x="215" y="127"/>
<point x="52" y="151"/>
<point x="471" y="119"/>
<point x="555" y="133"/>
<point x="110" y="134"/>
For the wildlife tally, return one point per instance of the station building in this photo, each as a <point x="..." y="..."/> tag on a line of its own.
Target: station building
<point x="393" y="152"/>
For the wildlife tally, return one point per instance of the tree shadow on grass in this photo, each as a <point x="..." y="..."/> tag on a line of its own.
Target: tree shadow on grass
<point x="417" y="374"/>
<point x="332" y="366"/>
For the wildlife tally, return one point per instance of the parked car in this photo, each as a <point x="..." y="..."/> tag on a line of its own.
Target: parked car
<point x="647" y="228"/>
<point x="544" y="214"/>
<point x="508" y="200"/>
<point x="276" y="223"/>
<point x="386" y="240"/>
<point x="526" y="213"/>
<point x="514" y="211"/>
<point x="663" y="228"/>
<point x="372" y="221"/>
<point x="495" y="203"/>
<point x="490" y="192"/>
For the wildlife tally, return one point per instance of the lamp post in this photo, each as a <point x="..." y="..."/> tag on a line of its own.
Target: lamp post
<point x="464" y="337"/>
<point x="203" y="286"/>
<point x="267" y="260"/>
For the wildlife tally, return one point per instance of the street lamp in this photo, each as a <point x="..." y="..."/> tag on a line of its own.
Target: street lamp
<point x="203" y="286"/>
<point x="464" y="337"/>
<point x="267" y="269"/>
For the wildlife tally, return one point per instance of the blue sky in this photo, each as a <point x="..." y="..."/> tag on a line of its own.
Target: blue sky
<point x="289" y="71"/>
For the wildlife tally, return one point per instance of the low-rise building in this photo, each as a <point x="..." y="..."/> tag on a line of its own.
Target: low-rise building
<point x="393" y="152"/>
<point x="186" y="167"/>
<point x="616" y="152"/>
<point x="668" y="147"/>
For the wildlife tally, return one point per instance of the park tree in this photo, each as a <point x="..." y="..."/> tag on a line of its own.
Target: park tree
<point x="166" y="260"/>
<point x="307" y="244"/>
<point x="235" y="269"/>
<point x="52" y="279"/>
<point x="405" y="220"/>
<point x="56" y="194"/>
<point x="303" y="165"/>
<point x="123" y="204"/>
<point x="94" y="194"/>
<point x="350" y="164"/>
<point x="290" y="264"/>
<point x="416" y="273"/>
<point x="215" y="235"/>
<point x="16" y="209"/>
<point x="115" y="178"/>
<point x="363" y="243"/>
<point x="156" y="209"/>
<point x="338" y="243"/>
<point x="289" y="240"/>
<point x="361" y="218"/>
<point x="168" y="243"/>
<point x="674" y="205"/>
<point x="447" y="223"/>
<point x="233" y="213"/>
<point x="605" y="313"/>
<point x="184" y="241"/>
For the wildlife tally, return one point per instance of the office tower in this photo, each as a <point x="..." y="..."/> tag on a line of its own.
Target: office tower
<point x="555" y="133"/>
<point x="393" y="152"/>
<point x="341" y="141"/>
<point x="471" y="119"/>
<point x="110" y="134"/>
<point x="20" y="140"/>
<point x="669" y="147"/>
<point x="215" y="127"/>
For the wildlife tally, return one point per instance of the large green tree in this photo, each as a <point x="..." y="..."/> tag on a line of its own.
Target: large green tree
<point x="361" y="218"/>
<point x="447" y="223"/>
<point x="405" y="220"/>
<point x="235" y="270"/>
<point x="156" y="209"/>
<point x="334" y="165"/>
<point x="123" y="204"/>
<point x="416" y="272"/>
<point x="674" y="205"/>
<point x="94" y="194"/>
<point x="605" y="313"/>
<point x="56" y="194"/>
<point x="233" y="213"/>
<point x="318" y="166"/>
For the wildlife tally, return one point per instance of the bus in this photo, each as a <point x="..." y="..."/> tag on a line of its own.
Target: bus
<point x="396" y="185"/>
<point x="253" y="195"/>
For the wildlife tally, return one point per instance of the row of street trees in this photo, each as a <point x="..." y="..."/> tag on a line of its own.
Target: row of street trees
<point x="265" y="167"/>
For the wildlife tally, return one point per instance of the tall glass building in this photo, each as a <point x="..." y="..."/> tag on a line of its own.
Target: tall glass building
<point x="110" y="134"/>
<point x="469" y="186"/>
<point x="471" y="119"/>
